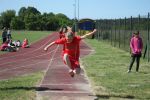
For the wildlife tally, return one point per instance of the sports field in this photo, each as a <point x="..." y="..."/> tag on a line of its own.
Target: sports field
<point x="55" y="82"/>
<point x="106" y="69"/>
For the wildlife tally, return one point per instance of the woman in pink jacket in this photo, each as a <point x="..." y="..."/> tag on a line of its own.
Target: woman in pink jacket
<point x="136" y="46"/>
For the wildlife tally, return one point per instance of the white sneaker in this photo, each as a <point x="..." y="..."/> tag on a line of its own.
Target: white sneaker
<point x="128" y="71"/>
<point x="77" y="70"/>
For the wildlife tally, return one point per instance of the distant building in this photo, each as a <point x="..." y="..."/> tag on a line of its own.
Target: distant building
<point x="86" y="24"/>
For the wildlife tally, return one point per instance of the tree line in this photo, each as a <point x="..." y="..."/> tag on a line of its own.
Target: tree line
<point x="31" y="19"/>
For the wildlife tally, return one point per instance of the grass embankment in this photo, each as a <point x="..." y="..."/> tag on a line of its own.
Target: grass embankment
<point x="21" y="88"/>
<point x="32" y="36"/>
<point x="107" y="69"/>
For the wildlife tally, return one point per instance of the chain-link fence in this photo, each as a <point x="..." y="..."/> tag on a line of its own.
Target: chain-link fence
<point x="119" y="32"/>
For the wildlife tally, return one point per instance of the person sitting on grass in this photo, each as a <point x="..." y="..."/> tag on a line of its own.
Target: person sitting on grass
<point x="25" y="43"/>
<point x="18" y="43"/>
<point x="71" y="50"/>
<point x="11" y="46"/>
<point x="4" y="46"/>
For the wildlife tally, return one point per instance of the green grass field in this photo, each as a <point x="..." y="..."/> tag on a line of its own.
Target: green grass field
<point x="20" y="88"/>
<point x="32" y="36"/>
<point x="107" y="69"/>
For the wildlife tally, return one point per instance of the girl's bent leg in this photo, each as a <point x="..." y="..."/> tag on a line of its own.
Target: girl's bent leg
<point x="67" y="60"/>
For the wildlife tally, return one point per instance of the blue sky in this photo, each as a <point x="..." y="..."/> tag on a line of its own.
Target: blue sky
<point x="94" y="9"/>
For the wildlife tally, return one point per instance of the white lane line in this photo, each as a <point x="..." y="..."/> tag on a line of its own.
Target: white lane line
<point x="22" y="66"/>
<point x="17" y="67"/>
<point x="49" y="64"/>
<point x="70" y="92"/>
<point x="56" y="84"/>
<point x="27" y="58"/>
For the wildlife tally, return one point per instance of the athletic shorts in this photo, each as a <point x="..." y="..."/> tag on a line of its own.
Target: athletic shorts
<point x="74" y="62"/>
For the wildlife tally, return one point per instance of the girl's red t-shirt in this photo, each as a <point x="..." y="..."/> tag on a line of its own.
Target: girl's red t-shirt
<point x="72" y="49"/>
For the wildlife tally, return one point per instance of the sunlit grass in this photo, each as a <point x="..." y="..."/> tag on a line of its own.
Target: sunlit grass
<point x="107" y="69"/>
<point x="21" y="88"/>
<point x="32" y="36"/>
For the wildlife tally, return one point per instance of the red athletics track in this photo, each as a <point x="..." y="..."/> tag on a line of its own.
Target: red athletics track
<point x="56" y="83"/>
<point x="27" y="60"/>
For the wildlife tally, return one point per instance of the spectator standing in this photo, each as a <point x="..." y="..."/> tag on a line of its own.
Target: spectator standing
<point x="4" y="35"/>
<point x="9" y="34"/>
<point x="136" y="46"/>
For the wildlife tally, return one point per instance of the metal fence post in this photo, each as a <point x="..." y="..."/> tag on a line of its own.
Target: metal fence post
<point x="99" y="27"/>
<point x="115" y="34"/>
<point x="96" y="26"/>
<point x="148" y="36"/>
<point x="111" y="33"/>
<point x="131" y="26"/>
<point x="139" y="22"/>
<point x="124" y="31"/>
<point x="119" y="31"/>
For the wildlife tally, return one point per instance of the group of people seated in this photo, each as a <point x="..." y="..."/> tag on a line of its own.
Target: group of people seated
<point x="13" y="46"/>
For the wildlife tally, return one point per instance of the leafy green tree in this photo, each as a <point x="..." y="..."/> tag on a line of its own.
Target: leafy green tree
<point x="22" y="12"/>
<point x="1" y="25"/>
<point x="31" y="11"/>
<point x="50" y="14"/>
<point x="60" y="15"/>
<point x="30" y="16"/>
<point x="30" y="22"/>
<point x="63" y="19"/>
<point x="39" y="23"/>
<point x="52" y="24"/>
<point x="31" y="19"/>
<point x="17" y="23"/>
<point x="6" y="17"/>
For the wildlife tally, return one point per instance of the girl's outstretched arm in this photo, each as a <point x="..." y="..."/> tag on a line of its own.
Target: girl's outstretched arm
<point x="49" y="45"/>
<point x="88" y="34"/>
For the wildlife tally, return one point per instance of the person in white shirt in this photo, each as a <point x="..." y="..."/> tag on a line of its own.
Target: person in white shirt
<point x="9" y="34"/>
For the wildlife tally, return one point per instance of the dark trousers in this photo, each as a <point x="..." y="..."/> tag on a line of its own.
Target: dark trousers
<point x="133" y="58"/>
<point x="4" y="39"/>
